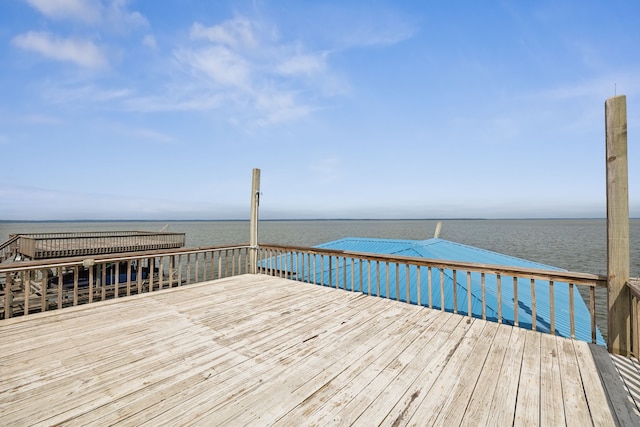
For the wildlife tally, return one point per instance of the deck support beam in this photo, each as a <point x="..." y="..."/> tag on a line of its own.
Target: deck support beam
<point x="619" y="309"/>
<point x="253" y="240"/>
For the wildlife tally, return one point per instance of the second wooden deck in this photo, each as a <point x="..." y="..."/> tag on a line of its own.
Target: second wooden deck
<point x="259" y="350"/>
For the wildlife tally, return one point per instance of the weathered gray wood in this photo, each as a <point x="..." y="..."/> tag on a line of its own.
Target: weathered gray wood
<point x="551" y="413"/>
<point x="253" y="223"/>
<point x="478" y="409"/>
<point x="502" y="410"/>
<point x="573" y="395"/>
<point x="528" y="401"/>
<point x="593" y="387"/>
<point x="620" y="403"/>
<point x="260" y="350"/>
<point x="619" y="335"/>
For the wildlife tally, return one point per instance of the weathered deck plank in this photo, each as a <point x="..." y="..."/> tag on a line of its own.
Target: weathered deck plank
<point x="256" y="350"/>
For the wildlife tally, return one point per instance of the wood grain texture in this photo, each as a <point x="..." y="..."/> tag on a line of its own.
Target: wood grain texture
<point x="261" y="350"/>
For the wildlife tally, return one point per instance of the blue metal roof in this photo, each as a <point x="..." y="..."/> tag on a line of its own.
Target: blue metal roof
<point x="348" y="275"/>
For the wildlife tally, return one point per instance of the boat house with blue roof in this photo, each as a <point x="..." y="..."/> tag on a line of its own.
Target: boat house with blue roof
<point x="390" y="280"/>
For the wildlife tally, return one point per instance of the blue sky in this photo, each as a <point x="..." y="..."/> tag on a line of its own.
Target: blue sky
<point x="150" y="109"/>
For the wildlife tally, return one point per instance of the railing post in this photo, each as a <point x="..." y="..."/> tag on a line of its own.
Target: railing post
<point x="255" y="202"/>
<point x="619" y="331"/>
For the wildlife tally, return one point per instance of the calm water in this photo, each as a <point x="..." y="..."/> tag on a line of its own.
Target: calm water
<point x="577" y="245"/>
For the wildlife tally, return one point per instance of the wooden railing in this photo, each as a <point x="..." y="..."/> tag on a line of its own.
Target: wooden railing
<point x="35" y="286"/>
<point x="634" y="291"/>
<point x="504" y="294"/>
<point x="543" y="300"/>
<point x="48" y="245"/>
<point x="8" y="248"/>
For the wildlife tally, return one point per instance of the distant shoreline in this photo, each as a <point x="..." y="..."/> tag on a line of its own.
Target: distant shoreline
<point x="13" y="221"/>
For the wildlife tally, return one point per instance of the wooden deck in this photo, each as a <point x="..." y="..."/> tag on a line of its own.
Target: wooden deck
<point x="259" y="350"/>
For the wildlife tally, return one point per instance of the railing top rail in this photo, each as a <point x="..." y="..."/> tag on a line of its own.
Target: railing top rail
<point x="8" y="242"/>
<point x="576" y="278"/>
<point x="634" y="286"/>
<point x="90" y="234"/>
<point x="70" y="261"/>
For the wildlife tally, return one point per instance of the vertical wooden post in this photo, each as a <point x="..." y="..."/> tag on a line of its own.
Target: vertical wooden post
<point x="619" y="330"/>
<point x="255" y="202"/>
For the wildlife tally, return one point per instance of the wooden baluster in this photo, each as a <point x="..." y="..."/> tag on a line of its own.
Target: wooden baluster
<point x="533" y="305"/>
<point x="26" y="285"/>
<point x="139" y="275"/>
<point x="441" y="289"/>
<point x="115" y="279"/>
<point x="408" y="280"/>
<point x="419" y="286"/>
<point x="387" y="281"/>
<point x="469" y="305"/>
<point x="369" y="277"/>
<point x="43" y="290"/>
<point x="515" y="301"/>
<point x="377" y="278"/>
<point x="103" y="284"/>
<point x="455" y="291"/>
<point x="499" y="288"/>
<point x="484" y="296"/>
<point x="353" y="275"/>
<point x="572" y="318"/>
<point x="592" y="310"/>
<point x="397" y="282"/>
<point x="430" y="287"/>
<point x="128" y="277"/>
<point x="552" y="308"/>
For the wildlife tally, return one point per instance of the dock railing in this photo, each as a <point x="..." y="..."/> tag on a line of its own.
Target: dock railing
<point x="36" y="286"/>
<point x="634" y="291"/>
<point x="517" y="295"/>
<point x="50" y="245"/>
<point x="542" y="300"/>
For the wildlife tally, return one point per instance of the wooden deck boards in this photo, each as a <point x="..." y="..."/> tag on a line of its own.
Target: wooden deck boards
<point x="259" y="350"/>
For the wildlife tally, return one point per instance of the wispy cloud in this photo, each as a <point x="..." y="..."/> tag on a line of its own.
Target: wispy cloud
<point x="87" y="11"/>
<point x="235" y="33"/>
<point x="79" y="51"/>
<point x="61" y="93"/>
<point x="219" y="64"/>
<point x="110" y="14"/>
<point x="303" y="64"/>
<point x="261" y="77"/>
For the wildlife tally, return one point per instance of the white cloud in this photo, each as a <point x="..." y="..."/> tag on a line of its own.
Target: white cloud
<point x="87" y="11"/>
<point x="219" y="64"/>
<point x="81" y="52"/>
<point x="233" y="33"/>
<point x="260" y="77"/>
<point x="117" y="18"/>
<point x="305" y="64"/>
<point x="112" y="14"/>
<point x="280" y="107"/>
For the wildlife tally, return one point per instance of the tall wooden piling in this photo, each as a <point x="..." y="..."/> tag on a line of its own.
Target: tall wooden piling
<point x="255" y="202"/>
<point x="619" y="333"/>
